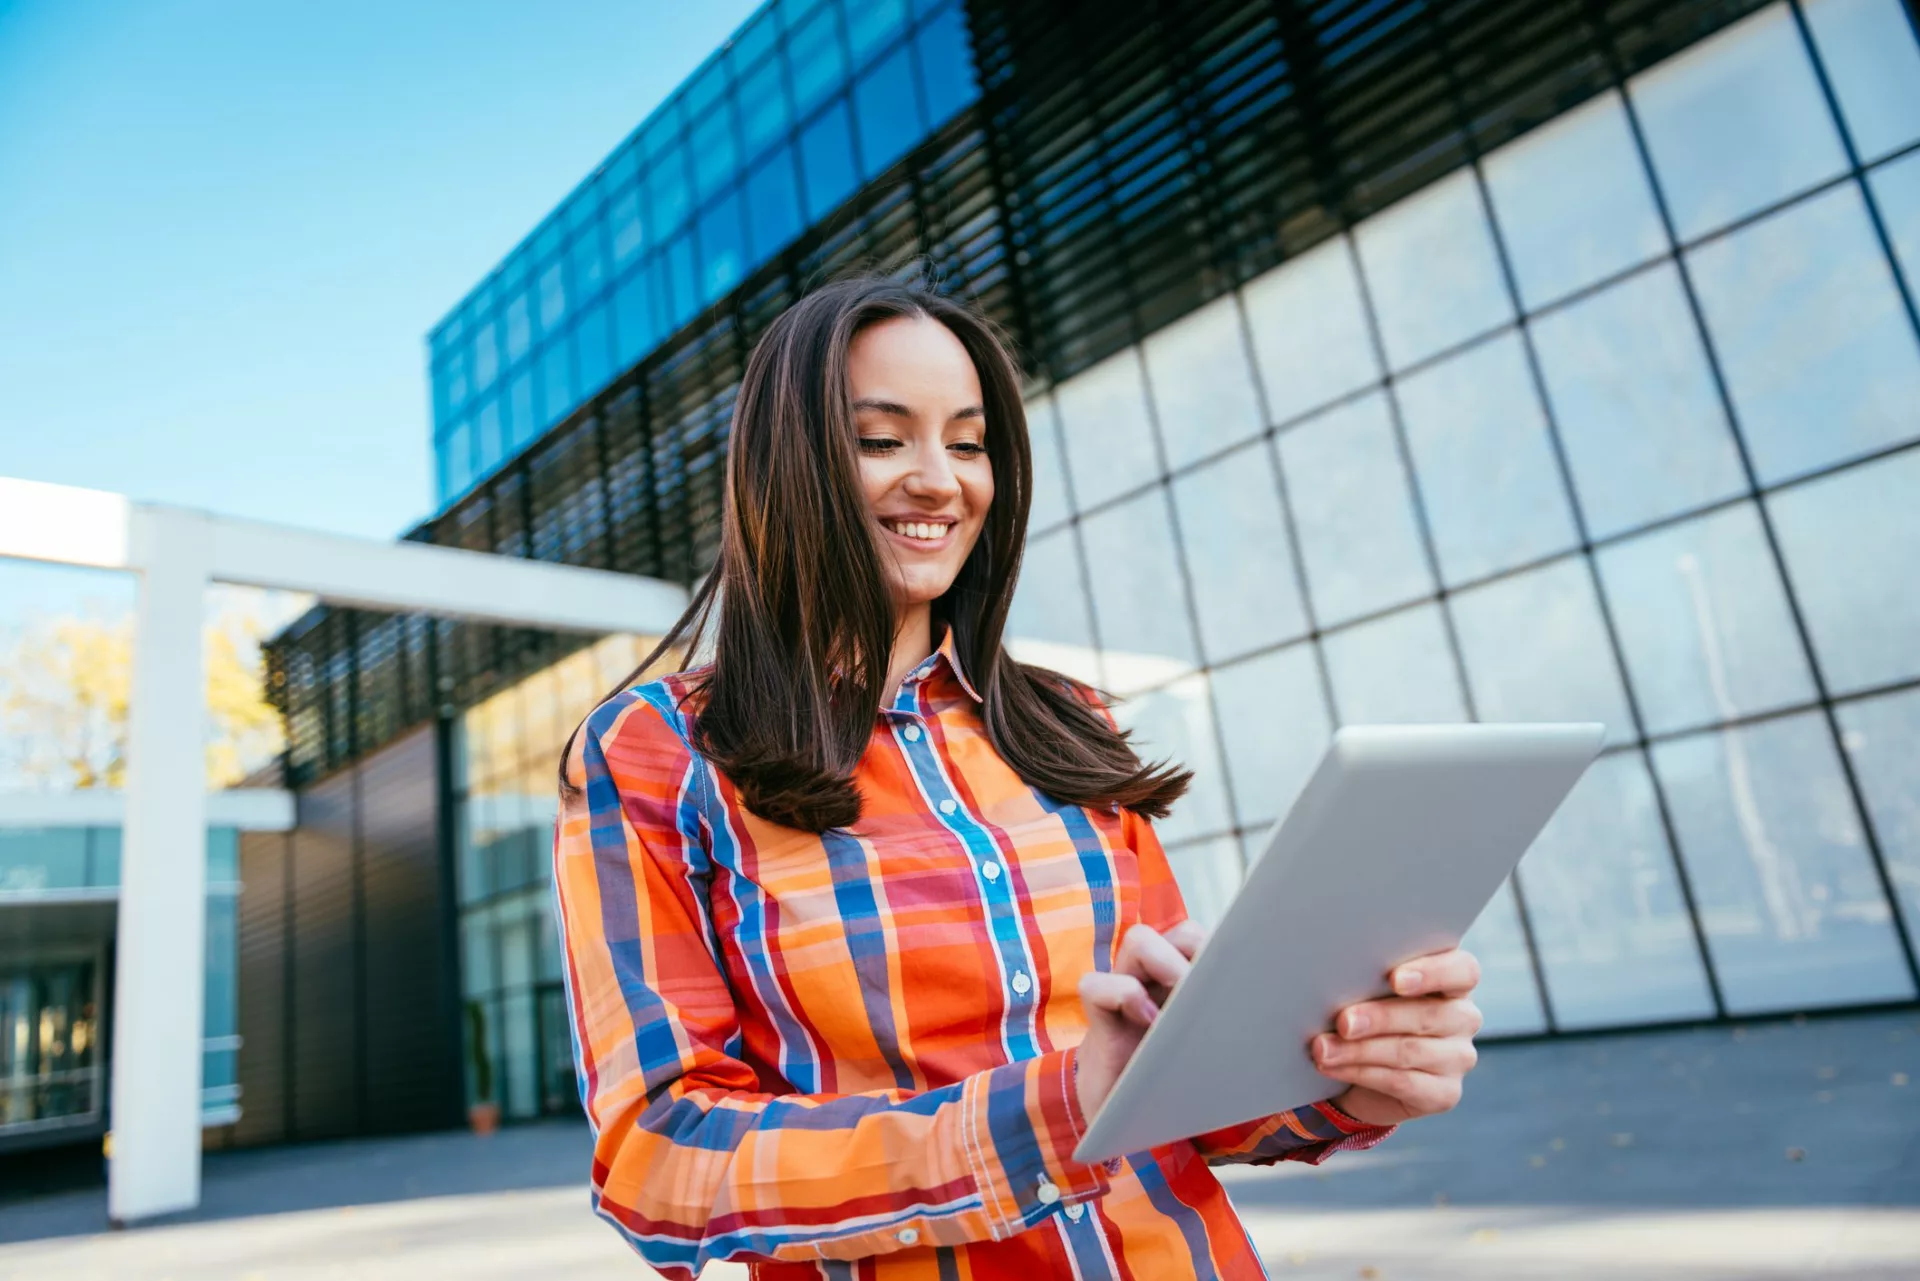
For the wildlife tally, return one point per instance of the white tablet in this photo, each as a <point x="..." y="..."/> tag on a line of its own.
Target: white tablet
<point x="1397" y="842"/>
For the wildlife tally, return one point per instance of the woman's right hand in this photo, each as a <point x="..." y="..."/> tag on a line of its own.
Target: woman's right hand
<point x="1123" y="1002"/>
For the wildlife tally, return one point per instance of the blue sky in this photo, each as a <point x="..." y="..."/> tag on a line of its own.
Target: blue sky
<point x="226" y="226"/>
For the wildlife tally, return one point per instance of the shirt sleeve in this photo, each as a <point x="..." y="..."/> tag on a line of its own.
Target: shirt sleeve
<point x="1312" y="1133"/>
<point x="695" y="1159"/>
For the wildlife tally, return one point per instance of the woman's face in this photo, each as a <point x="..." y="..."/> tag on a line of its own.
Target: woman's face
<point x="923" y="455"/>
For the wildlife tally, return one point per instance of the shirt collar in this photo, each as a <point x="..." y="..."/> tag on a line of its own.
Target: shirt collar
<point x="948" y="654"/>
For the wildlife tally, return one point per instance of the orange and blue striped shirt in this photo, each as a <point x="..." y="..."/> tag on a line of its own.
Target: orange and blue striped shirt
<point x="850" y="1054"/>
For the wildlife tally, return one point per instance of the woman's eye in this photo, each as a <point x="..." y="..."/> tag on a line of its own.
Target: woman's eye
<point x="878" y="444"/>
<point x="970" y="448"/>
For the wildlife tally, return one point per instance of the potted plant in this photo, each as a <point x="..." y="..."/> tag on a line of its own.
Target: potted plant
<point x="483" y="1114"/>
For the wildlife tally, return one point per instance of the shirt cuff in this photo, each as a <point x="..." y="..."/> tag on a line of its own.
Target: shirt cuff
<point x="1347" y="1134"/>
<point x="1023" y="1122"/>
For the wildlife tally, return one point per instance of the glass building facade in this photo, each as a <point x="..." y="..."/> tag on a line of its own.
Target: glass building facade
<point x="1388" y="362"/>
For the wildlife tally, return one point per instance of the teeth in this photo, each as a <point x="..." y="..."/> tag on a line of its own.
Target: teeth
<point x="919" y="529"/>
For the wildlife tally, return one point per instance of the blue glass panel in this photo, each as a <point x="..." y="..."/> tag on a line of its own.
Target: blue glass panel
<point x="595" y="347"/>
<point x="589" y="260"/>
<point x="459" y="454"/>
<point x="792" y="12"/>
<point x="43" y="858"/>
<point x="706" y="87"/>
<point x="556" y="378"/>
<point x="752" y="41"/>
<point x="519" y="326"/>
<point x="623" y="220"/>
<point x="223" y="858"/>
<point x="633" y="326"/>
<point x="486" y="357"/>
<point x="583" y="206"/>
<point x="662" y="130"/>
<point x="723" y="247"/>
<point x="660" y="289"/>
<point x="871" y="24"/>
<point x="442" y="473"/>
<point x="523" y="423"/>
<point x="514" y="271"/>
<point x="817" y="59"/>
<point x="773" y="205"/>
<point x="553" y="297"/>
<point x="626" y="164"/>
<point x="457" y="387"/>
<point x="946" y="65"/>
<point x="491" y="435"/>
<point x="888" y="110"/>
<point x="826" y="154"/>
<point x="222" y="981"/>
<point x="686" y="292"/>
<point x="442" y="406"/>
<point x="668" y="193"/>
<point x="763" y="106"/>
<point x="547" y="241"/>
<point x="716" y="157"/>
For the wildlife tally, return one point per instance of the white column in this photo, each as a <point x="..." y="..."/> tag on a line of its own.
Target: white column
<point x="160" y="968"/>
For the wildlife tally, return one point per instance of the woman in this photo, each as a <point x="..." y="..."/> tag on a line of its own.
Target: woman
<point x="863" y="918"/>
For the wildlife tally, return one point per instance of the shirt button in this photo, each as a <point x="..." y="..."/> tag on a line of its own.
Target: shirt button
<point x="1022" y="984"/>
<point x="912" y="733"/>
<point x="1076" y="1212"/>
<point x="991" y="871"/>
<point x="1047" y="1193"/>
<point x="907" y="1236"/>
<point x="948" y="806"/>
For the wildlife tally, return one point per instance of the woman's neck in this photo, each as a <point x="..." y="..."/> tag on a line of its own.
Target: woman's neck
<point x="912" y="642"/>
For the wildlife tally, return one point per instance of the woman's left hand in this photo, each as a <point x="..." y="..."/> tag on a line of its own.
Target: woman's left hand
<point x="1405" y="1056"/>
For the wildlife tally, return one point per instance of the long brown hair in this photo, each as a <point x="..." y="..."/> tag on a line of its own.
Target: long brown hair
<point x="806" y="619"/>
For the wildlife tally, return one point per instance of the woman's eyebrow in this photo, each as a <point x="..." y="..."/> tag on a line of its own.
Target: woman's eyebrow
<point x="895" y="409"/>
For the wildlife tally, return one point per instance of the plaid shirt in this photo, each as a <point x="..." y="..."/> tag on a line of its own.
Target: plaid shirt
<point x="803" y="1050"/>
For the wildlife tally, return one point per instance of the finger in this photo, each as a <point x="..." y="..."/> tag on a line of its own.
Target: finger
<point x="1409" y="1016"/>
<point x="1187" y="937"/>
<point x="1148" y="956"/>
<point x="1442" y="1056"/>
<point x="1453" y="973"/>
<point x="1120" y="995"/>
<point x="1421" y="1093"/>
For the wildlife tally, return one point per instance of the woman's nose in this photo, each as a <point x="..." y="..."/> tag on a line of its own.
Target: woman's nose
<point x="933" y="477"/>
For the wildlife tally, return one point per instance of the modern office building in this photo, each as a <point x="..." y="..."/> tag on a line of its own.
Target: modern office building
<point x="1389" y="361"/>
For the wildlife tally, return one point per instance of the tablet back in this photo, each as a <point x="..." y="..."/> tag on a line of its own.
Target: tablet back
<point x="1401" y="837"/>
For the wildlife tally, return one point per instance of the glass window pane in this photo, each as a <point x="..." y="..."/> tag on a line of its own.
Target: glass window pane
<point x="1431" y="270"/>
<point x="1873" y="62"/>
<point x="715" y="156"/>
<point x="871" y="23"/>
<point x="490" y="435"/>
<point x="521" y="422"/>
<point x="1882" y="739"/>
<point x="1736" y="123"/>
<point x="685" y="299"/>
<point x="1484" y="462"/>
<point x="1641" y="423"/>
<point x="593" y="343"/>
<point x="773" y="204"/>
<point x="1396" y="670"/>
<point x="633" y="318"/>
<point x="1507" y="995"/>
<point x="1048" y="622"/>
<point x="1310" y="331"/>
<point x="1788" y="897"/>
<point x="1144" y="633"/>
<point x="1616" y="943"/>
<point x="826" y="155"/>
<point x="1109" y="438"/>
<point x="1239" y="558"/>
<point x="1208" y="874"/>
<point x="1353" y="512"/>
<point x="1704" y="622"/>
<point x="1572" y="202"/>
<point x="553" y="297"/>
<point x="459" y="449"/>
<point x="704" y="87"/>
<point x="1819" y="354"/>
<point x="670" y="194"/>
<point x="1274" y="721"/>
<point x="556" y="377"/>
<point x="753" y="40"/>
<point x="763" y="106"/>
<point x="946" y="64"/>
<point x="1896" y="189"/>
<point x="1049" y="466"/>
<point x="1851" y="542"/>
<point x="888" y="110"/>
<point x="519" y="326"/>
<point x="486" y="357"/>
<point x="1536" y="649"/>
<point x="1175" y="722"/>
<point x="723" y="247"/>
<point x="42" y="858"/>
<point x="1202" y="383"/>
<point x="816" y="59"/>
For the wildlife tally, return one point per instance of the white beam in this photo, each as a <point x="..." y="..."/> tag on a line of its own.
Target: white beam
<point x="62" y="524"/>
<point x="250" y="809"/>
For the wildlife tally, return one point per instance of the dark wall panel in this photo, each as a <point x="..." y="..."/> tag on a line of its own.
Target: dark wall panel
<point x="263" y="969"/>
<point x="325" y="1040"/>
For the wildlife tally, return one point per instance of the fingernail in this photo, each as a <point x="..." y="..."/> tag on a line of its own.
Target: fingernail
<point x="1329" y="1049"/>
<point x="1409" y="981"/>
<point x="1356" y="1024"/>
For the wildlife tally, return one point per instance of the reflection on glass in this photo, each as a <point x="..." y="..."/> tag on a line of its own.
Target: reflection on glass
<point x="1202" y="384"/>
<point x="816" y="59"/>
<point x="1239" y="557"/>
<point x="1176" y="722"/>
<point x="1310" y="331"/>
<point x="1873" y="64"/>
<point x="1274" y="722"/>
<point x="1616" y="945"/>
<point x="1047" y="623"/>
<point x="1896" y="189"/>
<point x="1353" y="512"/>
<point x="773" y="203"/>
<point x="1572" y="202"/>
<point x="1736" y="123"/>
<point x="1049" y="506"/>
<point x="1819" y="354"/>
<point x="1507" y="995"/>
<point x="946" y="64"/>
<point x="763" y="106"/>
<point x="1788" y="897"/>
<point x="1487" y="475"/>
<point x="826" y="157"/>
<point x="1137" y="604"/>
<point x="871" y="23"/>
<point x="1431" y="270"/>
<point x="1642" y="426"/>
<point x="888" y="110"/>
<point x="1396" y="670"/>
<point x="1208" y="873"/>
<point x="1103" y="417"/>
<point x="1851" y="541"/>
<point x="1882" y="739"/>
<point x="1704" y="622"/>
<point x="1536" y="650"/>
